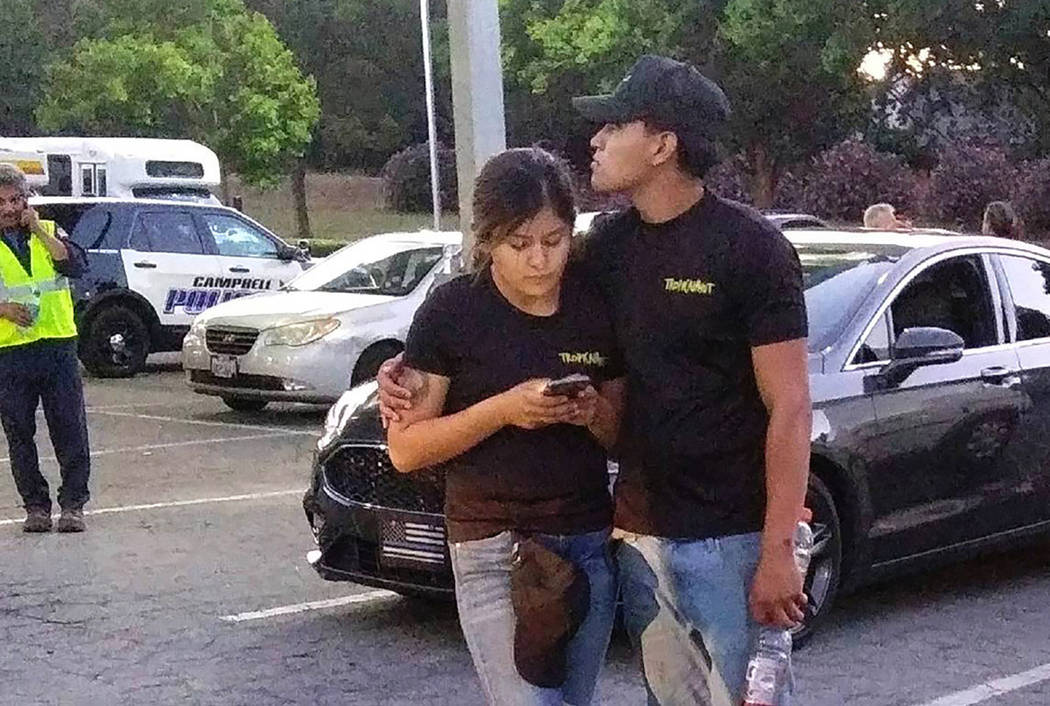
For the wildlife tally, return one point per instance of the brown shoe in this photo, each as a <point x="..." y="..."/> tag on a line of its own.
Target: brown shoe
<point x="37" y="520"/>
<point x="71" y="521"/>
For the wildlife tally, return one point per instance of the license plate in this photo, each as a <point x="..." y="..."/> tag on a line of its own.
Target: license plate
<point x="411" y="544"/>
<point x="223" y="366"/>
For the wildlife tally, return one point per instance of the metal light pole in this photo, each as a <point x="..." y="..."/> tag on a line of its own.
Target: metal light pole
<point x="428" y="74"/>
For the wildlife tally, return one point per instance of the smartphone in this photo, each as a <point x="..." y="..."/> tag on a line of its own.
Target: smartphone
<point x="568" y="386"/>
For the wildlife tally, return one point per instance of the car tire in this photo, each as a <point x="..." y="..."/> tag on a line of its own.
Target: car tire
<point x="368" y="364"/>
<point x="96" y="342"/>
<point x="825" y="566"/>
<point x="245" y="404"/>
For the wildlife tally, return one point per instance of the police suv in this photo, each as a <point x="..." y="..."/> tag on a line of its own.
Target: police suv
<point x="154" y="265"/>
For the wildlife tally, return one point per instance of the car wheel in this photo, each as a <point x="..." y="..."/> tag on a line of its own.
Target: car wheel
<point x="116" y="343"/>
<point x="244" y="404"/>
<point x="368" y="364"/>
<point x="825" y="565"/>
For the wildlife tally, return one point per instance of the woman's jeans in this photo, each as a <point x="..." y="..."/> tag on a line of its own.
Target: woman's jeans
<point x="482" y="571"/>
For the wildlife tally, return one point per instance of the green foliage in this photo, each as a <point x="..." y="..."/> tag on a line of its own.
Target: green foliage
<point x="224" y="79"/>
<point x="987" y="45"/>
<point x="22" y="56"/>
<point x="367" y="58"/>
<point x="789" y="66"/>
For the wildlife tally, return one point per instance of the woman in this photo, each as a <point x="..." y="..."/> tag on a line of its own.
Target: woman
<point x="519" y="462"/>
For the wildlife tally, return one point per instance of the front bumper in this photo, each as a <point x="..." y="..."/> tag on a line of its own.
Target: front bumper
<point x="318" y="372"/>
<point x="384" y="547"/>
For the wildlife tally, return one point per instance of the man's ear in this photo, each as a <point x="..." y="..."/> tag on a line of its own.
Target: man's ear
<point x="666" y="148"/>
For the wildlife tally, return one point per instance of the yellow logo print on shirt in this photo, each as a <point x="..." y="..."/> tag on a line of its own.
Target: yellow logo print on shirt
<point x="688" y="286"/>
<point x="594" y="358"/>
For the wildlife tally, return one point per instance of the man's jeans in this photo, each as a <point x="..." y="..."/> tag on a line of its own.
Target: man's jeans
<point x="45" y="373"/>
<point x="482" y="570"/>
<point x="686" y="610"/>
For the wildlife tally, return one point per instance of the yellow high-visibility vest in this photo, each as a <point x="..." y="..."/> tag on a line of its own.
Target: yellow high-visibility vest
<point x="42" y="286"/>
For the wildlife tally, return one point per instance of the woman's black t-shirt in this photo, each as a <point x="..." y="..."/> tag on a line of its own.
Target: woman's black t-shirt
<point x="550" y="480"/>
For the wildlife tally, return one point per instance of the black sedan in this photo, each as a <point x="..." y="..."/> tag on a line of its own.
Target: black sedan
<point x="930" y="373"/>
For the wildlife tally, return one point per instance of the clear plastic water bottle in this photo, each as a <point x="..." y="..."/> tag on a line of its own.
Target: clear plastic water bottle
<point x="769" y="671"/>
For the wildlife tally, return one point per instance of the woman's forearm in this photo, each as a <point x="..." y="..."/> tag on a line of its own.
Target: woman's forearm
<point x="416" y="445"/>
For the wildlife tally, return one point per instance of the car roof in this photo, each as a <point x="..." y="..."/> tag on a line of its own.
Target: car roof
<point x="93" y="200"/>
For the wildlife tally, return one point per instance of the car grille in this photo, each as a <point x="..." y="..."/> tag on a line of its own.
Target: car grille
<point x="241" y="381"/>
<point x="364" y="474"/>
<point x="230" y="340"/>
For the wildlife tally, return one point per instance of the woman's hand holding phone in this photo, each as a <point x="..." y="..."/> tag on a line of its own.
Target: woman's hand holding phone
<point x="528" y="406"/>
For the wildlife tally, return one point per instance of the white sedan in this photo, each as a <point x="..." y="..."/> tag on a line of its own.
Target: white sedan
<point x="325" y="331"/>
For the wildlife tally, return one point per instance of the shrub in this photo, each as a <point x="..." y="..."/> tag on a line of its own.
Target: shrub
<point x="323" y="247"/>
<point x="406" y="179"/>
<point x="729" y="179"/>
<point x="965" y="179"/>
<point x="844" y="180"/>
<point x="1033" y="198"/>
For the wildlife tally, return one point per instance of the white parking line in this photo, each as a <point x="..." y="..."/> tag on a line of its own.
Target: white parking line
<point x="369" y="597"/>
<point x="169" y="445"/>
<point x="199" y="422"/>
<point x="991" y="689"/>
<point x="181" y="503"/>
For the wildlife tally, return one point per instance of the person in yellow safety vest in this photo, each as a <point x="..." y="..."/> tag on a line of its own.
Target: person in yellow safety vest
<point x="38" y="357"/>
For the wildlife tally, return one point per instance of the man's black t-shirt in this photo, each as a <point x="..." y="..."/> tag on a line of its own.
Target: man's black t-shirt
<point x="551" y="480"/>
<point x="692" y="296"/>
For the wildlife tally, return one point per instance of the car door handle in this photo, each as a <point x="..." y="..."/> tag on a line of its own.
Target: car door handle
<point x="996" y="374"/>
<point x="146" y="265"/>
<point x="239" y="269"/>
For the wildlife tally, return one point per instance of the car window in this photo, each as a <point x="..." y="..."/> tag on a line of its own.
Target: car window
<point x="392" y="269"/>
<point x="876" y="347"/>
<point x="952" y="295"/>
<point x="166" y="231"/>
<point x="837" y="279"/>
<point x="235" y="238"/>
<point x="1029" y="282"/>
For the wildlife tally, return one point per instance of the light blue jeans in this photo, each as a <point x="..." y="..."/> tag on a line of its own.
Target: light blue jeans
<point x="686" y="611"/>
<point x="482" y="571"/>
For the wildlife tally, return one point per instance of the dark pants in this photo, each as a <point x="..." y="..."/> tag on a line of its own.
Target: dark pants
<point x="45" y="372"/>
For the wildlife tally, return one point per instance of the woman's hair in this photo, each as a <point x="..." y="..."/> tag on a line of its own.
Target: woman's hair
<point x="1000" y="220"/>
<point x="513" y="187"/>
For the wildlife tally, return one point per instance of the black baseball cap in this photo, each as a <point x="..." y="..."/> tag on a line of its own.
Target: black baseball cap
<point x="670" y="92"/>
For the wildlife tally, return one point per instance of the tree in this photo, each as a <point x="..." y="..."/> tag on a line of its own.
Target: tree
<point x="369" y="79"/>
<point x="22" y="54"/>
<point x="788" y="66"/>
<point x="1000" y="48"/>
<point x="212" y="71"/>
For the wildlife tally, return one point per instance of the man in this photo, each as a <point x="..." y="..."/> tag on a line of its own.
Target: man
<point x="38" y="357"/>
<point x="714" y="452"/>
<point x="883" y="216"/>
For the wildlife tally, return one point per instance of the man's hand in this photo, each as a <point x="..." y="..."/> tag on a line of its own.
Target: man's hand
<point x="398" y="386"/>
<point x="17" y="314"/>
<point x="527" y="407"/>
<point x="31" y="220"/>
<point x="776" y="592"/>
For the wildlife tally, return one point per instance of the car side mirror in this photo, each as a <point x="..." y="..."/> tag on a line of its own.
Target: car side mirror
<point x="288" y="253"/>
<point x="303" y="244"/>
<point x="917" y="348"/>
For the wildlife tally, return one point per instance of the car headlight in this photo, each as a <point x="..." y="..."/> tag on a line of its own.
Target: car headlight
<point x="339" y="414"/>
<point x="301" y="333"/>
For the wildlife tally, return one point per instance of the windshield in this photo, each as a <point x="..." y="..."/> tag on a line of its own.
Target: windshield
<point x="837" y="279"/>
<point x="371" y="266"/>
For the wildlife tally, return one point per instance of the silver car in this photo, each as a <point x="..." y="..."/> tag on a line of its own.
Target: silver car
<point x="326" y="330"/>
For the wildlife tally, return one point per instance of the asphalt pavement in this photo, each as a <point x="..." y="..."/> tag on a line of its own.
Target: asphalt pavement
<point x="191" y="587"/>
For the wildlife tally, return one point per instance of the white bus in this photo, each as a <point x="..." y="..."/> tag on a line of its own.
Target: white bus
<point x="122" y="167"/>
<point x="32" y="164"/>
